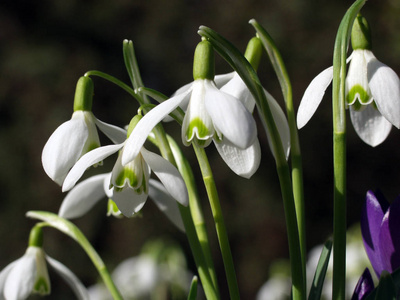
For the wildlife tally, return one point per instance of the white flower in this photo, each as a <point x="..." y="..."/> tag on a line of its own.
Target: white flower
<point x="88" y="192"/>
<point x="372" y="94"/>
<point x="223" y="116"/>
<point x="133" y="176"/>
<point x="29" y="275"/>
<point x="73" y="139"/>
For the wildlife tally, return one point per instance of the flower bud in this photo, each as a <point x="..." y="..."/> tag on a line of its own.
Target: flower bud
<point x="133" y="124"/>
<point x="203" y="63"/>
<point x="361" y="34"/>
<point x="84" y="94"/>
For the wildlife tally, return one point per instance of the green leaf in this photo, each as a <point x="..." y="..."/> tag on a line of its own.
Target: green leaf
<point x="386" y="288"/>
<point x="193" y="289"/>
<point x="320" y="272"/>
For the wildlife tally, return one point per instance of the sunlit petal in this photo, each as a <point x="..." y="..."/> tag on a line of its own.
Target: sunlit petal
<point x="146" y="125"/>
<point x="116" y="134"/>
<point x="385" y="88"/>
<point x="230" y="117"/>
<point x="370" y="125"/>
<point x="165" y="203"/>
<point x="70" y="278"/>
<point x="313" y="96"/>
<point x="168" y="175"/>
<point x="243" y="162"/>
<point x="3" y="277"/>
<point x="357" y="88"/>
<point x="238" y="89"/>
<point x="222" y="79"/>
<point x="83" y="197"/>
<point x="128" y="201"/>
<point x="85" y="162"/>
<point x="64" y="148"/>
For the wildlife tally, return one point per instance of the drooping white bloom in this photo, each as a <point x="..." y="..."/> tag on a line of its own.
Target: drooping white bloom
<point x="29" y="275"/>
<point x="133" y="176"/>
<point x="73" y="139"/>
<point x="88" y="192"/>
<point x="372" y="91"/>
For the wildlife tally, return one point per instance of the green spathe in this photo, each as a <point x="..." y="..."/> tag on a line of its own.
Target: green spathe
<point x="361" y="34"/>
<point x="203" y="63"/>
<point x="36" y="237"/>
<point x="84" y="94"/>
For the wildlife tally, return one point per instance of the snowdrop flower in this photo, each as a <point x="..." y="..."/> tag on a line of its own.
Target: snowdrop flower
<point x="29" y="273"/>
<point x="88" y="192"/>
<point x="77" y="136"/>
<point x="133" y="176"/>
<point x="372" y="91"/>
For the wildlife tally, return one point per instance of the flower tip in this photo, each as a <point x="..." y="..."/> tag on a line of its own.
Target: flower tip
<point x="252" y="21"/>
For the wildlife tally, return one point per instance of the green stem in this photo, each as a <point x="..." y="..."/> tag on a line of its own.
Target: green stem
<point x="219" y="221"/>
<point x="295" y="152"/>
<point x="72" y="231"/>
<point x="339" y="151"/>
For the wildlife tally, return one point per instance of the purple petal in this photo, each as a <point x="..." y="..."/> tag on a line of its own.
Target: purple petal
<point x="371" y="218"/>
<point x="390" y="237"/>
<point x="365" y="285"/>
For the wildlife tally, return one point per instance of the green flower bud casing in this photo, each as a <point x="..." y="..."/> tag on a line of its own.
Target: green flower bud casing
<point x="84" y="94"/>
<point x="361" y="34"/>
<point x="254" y="52"/>
<point x="203" y="63"/>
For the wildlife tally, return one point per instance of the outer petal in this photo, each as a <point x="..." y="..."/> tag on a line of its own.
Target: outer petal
<point x="169" y="176"/>
<point x="83" y="197"/>
<point x="70" y="278"/>
<point x="243" y="162"/>
<point x="365" y="285"/>
<point x="370" y="125"/>
<point x="86" y="161"/>
<point x="64" y="148"/>
<point x="389" y="237"/>
<point x="238" y="89"/>
<point x="21" y="278"/>
<point x="3" y="277"/>
<point x="385" y="88"/>
<point x="146" y="125"/>
<point x="165" y="203"/>
<point x="313" y="96"/>
<point x="222" y="79"/>
<point x="281" y="123"/>
<point x="230" y="117"/>
<point x="371" y="219"/>
<point x="128" y="201"/>
<point x="114" y="133"/>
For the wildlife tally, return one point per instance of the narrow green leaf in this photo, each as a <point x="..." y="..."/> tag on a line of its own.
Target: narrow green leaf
<point x="320" y="272"/>
<point x="193" y="289"/>
<point x="386" y="288"/>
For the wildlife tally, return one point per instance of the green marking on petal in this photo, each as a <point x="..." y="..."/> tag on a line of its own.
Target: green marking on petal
<point x="358" y="92"/>
<point x="41" y="286"/>
<point x="113" y="210"/>
<point x="129" y="174"/>
<point x="198" y="128"/>
<point x="92" y="147"/>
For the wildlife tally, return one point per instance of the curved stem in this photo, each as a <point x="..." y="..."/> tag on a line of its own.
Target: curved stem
<point x="72" y="231"/>
<point x="219" y="221"/>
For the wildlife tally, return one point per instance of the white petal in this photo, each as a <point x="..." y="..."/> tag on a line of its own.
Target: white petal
<point x="21" y="278"/>
<point x="128" y="201"/>
<point x="243" y="162"/>
<point x="281" y="123"/>
<point x="146" y="125"/>
<point x="3" y="277"/>
<point x="165" y="203"/>
<point x="313" y="96"/>
<point x="238" y="89"/>
<point x="370" y="125"/>
<point x="64" y="148"/>
<point x="230" y="117"/>
<point x="85" y="162"/>
<point x="385" y="88"/>
<point x="70" y="278"/>
<point x="222" y="79"/>
<point x="83" y="197"/>
<point x="116" y="134"/>
<point x="168" y="175"/>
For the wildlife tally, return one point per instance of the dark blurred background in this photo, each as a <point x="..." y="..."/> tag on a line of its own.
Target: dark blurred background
<point x="45" y="46"/>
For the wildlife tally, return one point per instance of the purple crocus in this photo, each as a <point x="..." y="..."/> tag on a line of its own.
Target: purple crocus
<point x="379" y="227"/>
<point x="365" y="285"/>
